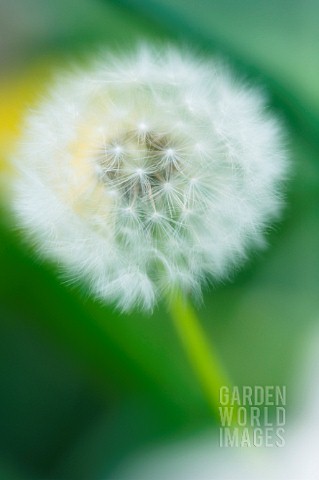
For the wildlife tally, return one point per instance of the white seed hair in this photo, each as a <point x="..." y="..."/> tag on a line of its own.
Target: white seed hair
<point x="149" y="172"/>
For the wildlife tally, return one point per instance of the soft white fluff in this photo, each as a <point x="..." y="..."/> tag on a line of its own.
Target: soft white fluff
<point x="149" y="172"/>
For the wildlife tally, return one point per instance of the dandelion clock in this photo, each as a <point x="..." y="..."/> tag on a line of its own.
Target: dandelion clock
<point x="146" y="175"/>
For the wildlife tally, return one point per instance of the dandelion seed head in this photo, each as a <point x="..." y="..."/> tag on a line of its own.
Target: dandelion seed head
<point x="149" y="172"/>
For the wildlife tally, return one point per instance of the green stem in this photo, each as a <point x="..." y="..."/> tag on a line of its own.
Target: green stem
<point x="201" y="353"/>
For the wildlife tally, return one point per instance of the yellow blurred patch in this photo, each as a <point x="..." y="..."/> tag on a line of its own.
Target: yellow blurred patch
<point x="17" y="95"/>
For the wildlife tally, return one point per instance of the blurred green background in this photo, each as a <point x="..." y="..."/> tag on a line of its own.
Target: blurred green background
<point x="82" y="387"/>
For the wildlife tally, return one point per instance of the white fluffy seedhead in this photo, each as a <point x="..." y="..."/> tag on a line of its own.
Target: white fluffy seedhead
<point x="147" y="173"/>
